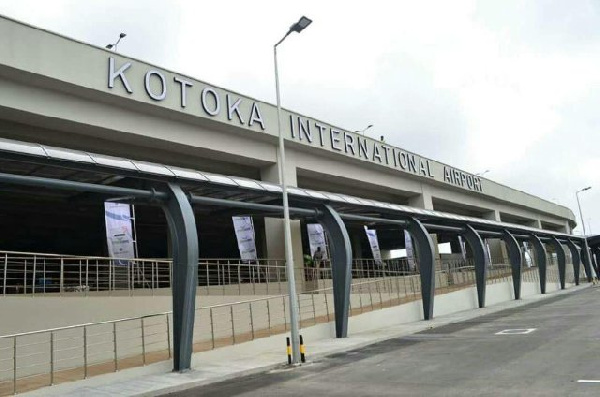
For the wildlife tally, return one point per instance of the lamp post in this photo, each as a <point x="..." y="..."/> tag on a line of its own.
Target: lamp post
<point x="579" y="205"/>
<point x="363" y="130"/>
<point x="111" y="46"/>
<point x="289" y="257"/>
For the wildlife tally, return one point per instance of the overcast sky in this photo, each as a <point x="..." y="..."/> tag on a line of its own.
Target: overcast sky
<point x="509" y="86"/>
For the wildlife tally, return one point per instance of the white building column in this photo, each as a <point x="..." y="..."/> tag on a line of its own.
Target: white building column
<point x="274" y="233"/>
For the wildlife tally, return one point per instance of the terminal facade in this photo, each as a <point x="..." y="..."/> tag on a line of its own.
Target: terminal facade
<point x="59" y="92"/>
<point x="81" y="125"/>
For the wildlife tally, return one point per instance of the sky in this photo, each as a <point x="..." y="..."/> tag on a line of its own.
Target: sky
<point x="507" y="86"/>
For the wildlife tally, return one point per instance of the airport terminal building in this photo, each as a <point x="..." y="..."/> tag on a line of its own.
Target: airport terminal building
<point x="62" y="93"/>
<point x="82" y="126"/>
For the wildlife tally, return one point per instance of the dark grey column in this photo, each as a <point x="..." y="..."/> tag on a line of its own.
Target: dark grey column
<point x="184" y="242"/>
<point x="476" y="243"/>
<point x="596" y="259"/>
<point x="540" y="259"/>
<point x="562" y="261"/>
<point x="516" y="260"/>
<point x="587" y="263"/>
<point x="425" y="255"/>
<point x="341" y="266"/>
<point x="576" y="259"/>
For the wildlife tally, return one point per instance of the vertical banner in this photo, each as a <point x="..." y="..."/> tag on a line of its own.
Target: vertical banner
<point x="488" y="253"/>
<point x="374" y="243"/>
<point x="527" y="255"/>
<point x="410" y="256"/>
<point x="119" y="231"/>
<point x="463" y="249"/>
<point x="244" y="231"/>
<point x="316" y="239"/>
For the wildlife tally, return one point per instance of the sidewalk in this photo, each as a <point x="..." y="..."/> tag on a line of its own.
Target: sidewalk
<point x="252" y="357"/>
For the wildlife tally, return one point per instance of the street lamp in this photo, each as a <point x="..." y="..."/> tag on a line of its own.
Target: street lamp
<point x="289" y="257"/>
<point x="579" y="205"/>
<point x="363" y="130"/>
<point x="482" y="173"/>
<point x="111" y="46"/>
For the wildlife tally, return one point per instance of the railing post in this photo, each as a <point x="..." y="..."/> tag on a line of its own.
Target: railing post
<point x="33" y="276"/>
<point x="51" y="358"/>
<point x="15" y="365"/>
<point x="116" y="355"/>
<point x="269" y="316"/>
<point x="212" y="328"/>
<point x="239" y="279"/>
<point x="168" y="335"/>
<point x="110" y="271"/>
<point x="143" y="342"/>
<point x="5" y="272"/>
<point x="87" y="276"/>
<point x="251" y="321"/>
<point x="62" y="275"/>
<point x="314" y="308"/>
<point x="326" y="306"/>
<point x="284" y="315"/>
<point x="25" y="278"/>
<point x="232" y="323"/>
<point x="85" y="353"/>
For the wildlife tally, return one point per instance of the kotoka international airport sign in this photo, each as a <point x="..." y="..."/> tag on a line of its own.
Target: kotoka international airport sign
<point x="185" y="94"/>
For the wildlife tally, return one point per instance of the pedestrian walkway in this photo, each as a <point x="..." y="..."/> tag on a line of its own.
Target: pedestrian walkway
<point x="256" y="356"/>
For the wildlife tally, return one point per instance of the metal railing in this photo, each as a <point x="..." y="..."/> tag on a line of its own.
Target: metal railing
<point x="34" y="359"/>
<point x="37" y="273"/>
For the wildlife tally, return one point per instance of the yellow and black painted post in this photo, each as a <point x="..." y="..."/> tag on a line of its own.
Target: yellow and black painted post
<point x="289" y="350"/>
<point x="302" y="350"/>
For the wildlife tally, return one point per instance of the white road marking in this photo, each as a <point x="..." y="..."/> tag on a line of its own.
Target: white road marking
<point x="588" y="381"/>
<point x="517" y="331"/>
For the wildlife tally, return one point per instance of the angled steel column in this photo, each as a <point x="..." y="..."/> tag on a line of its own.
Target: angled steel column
<point x="540" y="258"/>
<point x="587" y="263"/>
<point x="576" y="259"/>
<point x="596" y="257"/>
<point x="184" y="240"/>
<point x="562" y="261"/>
<point x="516" y="260"/>
<point x="341" y="266"/>
<point x="476" y="243"/>
<point x="425" y="255"/>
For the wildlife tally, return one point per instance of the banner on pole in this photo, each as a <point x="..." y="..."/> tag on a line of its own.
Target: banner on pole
<point x="374" y="243"/>
<point x="119" y="231"/>
<point x="463" y="249"/>
<point x="527" y="255"/>
<point x="244" y="231"/>
<point x="488" y="256"/>
<point x="410" y="256"/>
<point x="316" y="239"/>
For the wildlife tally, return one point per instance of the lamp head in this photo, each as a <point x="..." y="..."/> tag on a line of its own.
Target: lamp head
<point x="109" y="46"/>
<point x="122" y="35"/>
<point x="587" y="188"/>
<point x="300" y="25"/>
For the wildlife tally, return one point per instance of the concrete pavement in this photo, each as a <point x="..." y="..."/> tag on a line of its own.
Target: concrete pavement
<point x="548" y="348"/>
<point x="266" y="354"/>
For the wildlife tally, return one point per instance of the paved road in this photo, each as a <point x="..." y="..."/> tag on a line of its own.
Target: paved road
<point x="461" y="359"/>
